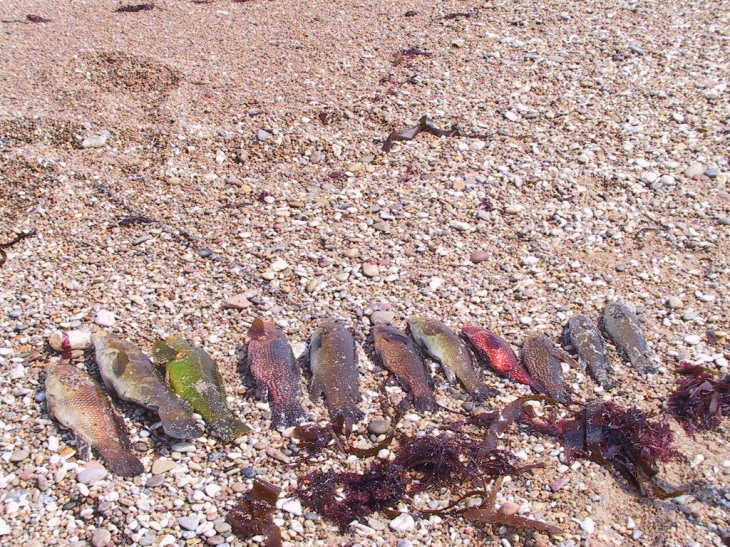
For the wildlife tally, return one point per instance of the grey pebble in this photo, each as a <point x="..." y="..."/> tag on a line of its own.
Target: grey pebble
<point x="379" y="427"/>
<point x="189" y="523"/>
<point x="636" y="49"/>
<point x="712" y="173"/>
<point x="183" y="447"/>
<point x="382" y="316"/>
<point x="101" y="537"/>
<point x="19" y="455"/>
<point x="141" y="240"/>
<point x="674" y="302"/>
<point x="14" y="314"/>
<point x="147" y="539"/>
<point x="262" y="135"/>
<point x="249" y="473"/>
<point x="222" y="527"/>
<point x="91" y="475"/>
<point x="154" y="481"/>
<point x="404" y="543"/>
<point x="621" y="268"/>
<point x="204" y="253"/>
<point x="215" y="540"/>
<point x="725" y="221"/>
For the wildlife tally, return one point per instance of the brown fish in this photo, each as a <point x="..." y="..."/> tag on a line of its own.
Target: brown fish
<point x="540" y="357"/>
<point x="401" y="358"/>
<point x="623" y="328"/>
<point x="276" y="373"/>
<point x="333" y="362"/>
<point x="133" y="377"/>
<point x="588" y="344"/>
<point x="77" y="401"/>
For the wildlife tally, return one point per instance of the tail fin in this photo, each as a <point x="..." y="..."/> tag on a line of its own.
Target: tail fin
<point x="178" y="423"/>
<point x="283" y="416"/>
<point x="121" y="461"/>
<point x="345" y="417"/>
<point x="425" y="403"/>
<point x="229" y="428"/>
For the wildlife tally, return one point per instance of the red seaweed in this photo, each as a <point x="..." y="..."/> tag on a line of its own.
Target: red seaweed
<point x="254" y="514"/>
<point x="700" y="400"/>
<point x="37" y="19"/>
<point x="135" y="8"/>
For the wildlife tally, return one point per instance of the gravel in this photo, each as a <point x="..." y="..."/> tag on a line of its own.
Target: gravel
<point x="600" y="174"/>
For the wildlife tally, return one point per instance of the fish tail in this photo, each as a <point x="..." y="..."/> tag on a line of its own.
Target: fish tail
<point x="229" y="428"/>
<point x="288" y="415"/>
<point x="121" y="461"/>
<point x="350" y="413"/>
<point x="425" y="403"/>
<point x="178" y="423"/>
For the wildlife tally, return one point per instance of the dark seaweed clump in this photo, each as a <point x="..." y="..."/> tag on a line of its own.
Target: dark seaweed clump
<point x="626" y="438"/>
<point x="254" y="514"/>
<point x="701" y="399"/>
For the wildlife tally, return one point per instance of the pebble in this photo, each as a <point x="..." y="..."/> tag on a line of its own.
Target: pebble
<point x="4" y="528"/>
<point x="204" y="253"/>
<point x="162" y="465"/>
<point x="674" y="302"/>
<point x="262" y="135"/>
<point x="154" y="481"/>
<point x="92" y="474"/>
<point x="402" y="523"/>
<point x="189" y="523"/>
<point x="692" y="339"/>
<point x="141" y="240"/>
<point x="105" y="318"/>
<point x="461" y="226"/>
<point x="96" y="141"/>
<point x="279" y="265"/>
<point x="290" y="505"/>
<point x="382" y="316"/>
<point x="478" y="256"/>
<point x="636" y="49"/>
<point x="237" y="302"/>
<point x="514" y="209"/>
<point x="101" y="537"/>
<point x="694" y="169"/>
<point x="379" y="427"/>
<point x="435" y="283"/>
<point x="183" y="447"/>
<point x="588" y="525"/>
<point x="404" y="543"/>
<point x="369" y="269"/>
<point x="724" y="221"/>
<point x="19" y="455"/>
<point x="511" y="116"/>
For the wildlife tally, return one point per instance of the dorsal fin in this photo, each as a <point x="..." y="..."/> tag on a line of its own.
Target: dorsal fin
<point x="258" y="328"/>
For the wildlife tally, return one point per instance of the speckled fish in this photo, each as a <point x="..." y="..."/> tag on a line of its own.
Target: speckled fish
<point x="333" y="362"/>
<point x="588" y="343"/>
<point x="276" y="373"/>
<point x="498" y="354"/>
<point x="623" y="327"/>
<point x="541" y="358"/>
<point x="196" y="378"/>
<point x="77" y="401"/>
<point x="133" y="377"/>
<point x="401" y="358"/>
<point x="442" y="344"/>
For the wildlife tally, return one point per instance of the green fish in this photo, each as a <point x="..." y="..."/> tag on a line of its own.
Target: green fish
<point x="195" y="377"/>
<point x="442" y="344"/>
<point x="130" y="374"/>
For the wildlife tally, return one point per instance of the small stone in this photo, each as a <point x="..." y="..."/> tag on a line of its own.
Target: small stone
<point x="404" y="543"/>
<point x="674" y="302"/>
<point x="511" y="116"/>
<point x="95" y="142"/>
<point x="435" y="283"/>
<point x="279" y="265"/>
<point x="692" y="339"/>
<point x="141" y="240"/>
<point x="667" y="180"/>
<point x="525" y="320"/>
<point x="212" y="490"/>
<point x="582" y="158"/>
<point x="588" y="525"/>
<point x="162" y="465"/>
<point x="513" y="209"/>
<point x="189" y="523"/>
<point x="508" y="508"/>
<point x="238" y="302"/>
<point x="4" y="528"/>
<point x="458" y="185"/>
<point x="636" y="49"/>
<point x="402" y="523"/>
<point x="724" y="221"/>
<point x="382" y="316"/>
<point x="379" y="427"/>
<point x="354" y="167"/>
<point x="461" y="226"/>
<point x="183" y="447"/>
<point x="369" y="269"/>
<point x="155" y="481"/>
<point x="101" y="537"/>
<point x="105" y="318"/>
<point x="262" y="135"/>
<point x="478" y="256"/>
<point x="91" y="474"/>
<point x="234" y="181"/>
<point x="694" y="169"/>
<point x="222" y="527"/>
<point x="19" y="455"/>
<point x="204" y="253"/>
<point x="290" y="505"/>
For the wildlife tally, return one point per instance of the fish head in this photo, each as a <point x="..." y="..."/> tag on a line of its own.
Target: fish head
<point x="387" y="336"/>
<point x="259" y="329"/>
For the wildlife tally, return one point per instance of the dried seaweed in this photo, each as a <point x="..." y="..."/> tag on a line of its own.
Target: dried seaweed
<point x="37" y="19"/>
<point x="627" y="439"/>
<point x="701" y="400"/>
<point x="425" y="124"/>
<point x="414" y="52"/>
<point x="135" y="8"/>
<point x="134" y="219"/>
<point x="458" y="15"/>
<point x="411" y="13"/>
<point x="23" y="235"/>
<point x="254" y="515"/>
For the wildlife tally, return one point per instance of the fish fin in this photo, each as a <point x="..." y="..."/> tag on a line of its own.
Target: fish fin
<point x="121" y="360"/>
<point x="83" y="448"/>
<point x="563" y="356"/>
<point x="178" y="423"/>
<point x="448" y="372"/>
<point x="162" y="352"/>
<point x="283" y="416"/>
<point x="315" y="390"/>
<point x="121" y="461"/>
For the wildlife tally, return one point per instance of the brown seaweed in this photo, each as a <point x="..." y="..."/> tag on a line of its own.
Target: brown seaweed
<point x="23" y="235"/>
<point x="254" y="515"/>
<point x="610" y="435"/>
<point x="425" y="124"/>
<point x="134" y="8"/>
<point x="37" y="19"/>
<point x="700" y="400"/>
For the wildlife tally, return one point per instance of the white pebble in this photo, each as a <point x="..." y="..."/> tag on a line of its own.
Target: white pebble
<point x="290" y="505"/>
<point x="402" y="522"/>
<point x="105" y="318"/>
<point x="278" y="265"/>
<point x="588" y="525"/>
<point x="435" y="283"/>
<point x="4" y="528"/>
<point x="692" y="339"/>
<point x="212" y="490"/>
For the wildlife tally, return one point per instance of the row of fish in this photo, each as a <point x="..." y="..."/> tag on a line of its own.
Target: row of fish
<point x="193" y="381"/>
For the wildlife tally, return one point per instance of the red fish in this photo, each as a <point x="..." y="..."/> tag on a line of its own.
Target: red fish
<point x="498" y="354"/>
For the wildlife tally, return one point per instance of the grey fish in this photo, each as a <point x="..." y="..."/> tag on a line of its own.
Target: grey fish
<point x="441" y="343"/>
<point x="588" y="343"/>
<point x="333" y="361"/>
<point x="133" y="377"/>
<point x="540" y="357"/>
<point x="623" y="328"/>
<point x="276" y="373"/>
<point x="401" y="358"/>
<point x="77" y="401"/>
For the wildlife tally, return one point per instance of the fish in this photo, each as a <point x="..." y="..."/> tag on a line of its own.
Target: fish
<point x="399" y="355"/>
<point x="588" y="343"/>
<point x="79" y="403"/>
<point x="498" y="354"/>
<point x="442" y="344"/>
<point x="196" y="378"/>
<point x="540" y="357"/>
<point x="623" y="328"/>
<point x="275" y="372"/>
<point x="333" y="362"/>
<point x="129" y="373"/>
